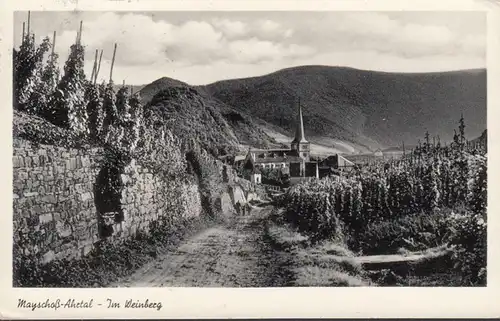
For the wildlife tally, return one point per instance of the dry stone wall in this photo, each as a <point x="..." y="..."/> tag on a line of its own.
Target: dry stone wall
<point x="148" y="196"/>
<point x="56" y="212"/>
<point x="63" y="206"/>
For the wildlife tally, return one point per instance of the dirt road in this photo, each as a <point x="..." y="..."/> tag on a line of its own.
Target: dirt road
<point x="231" y="255"/>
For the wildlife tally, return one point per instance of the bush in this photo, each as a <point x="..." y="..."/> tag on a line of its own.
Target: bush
<point x="413" y="232"/>
<point x="470" y="241"/>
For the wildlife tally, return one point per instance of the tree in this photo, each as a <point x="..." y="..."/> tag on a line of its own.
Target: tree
<point x="110" y="112"/>
<point x="431" y="195"/>
<point x="94" y="110"/>
<point x="456" y="141"/>
<point x="461" y="130"/>
<point x="29" y="87"/>
<point x="23" y="66"/>
<point x="137" y="118"/>
<point x="47" y="86"/>
<point x="427" y="144"/>
<point x="70" y="107"/>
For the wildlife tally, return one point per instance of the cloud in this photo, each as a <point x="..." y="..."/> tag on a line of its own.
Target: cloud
<point x="231" y="28"/>
<point x="378" y="30"/>
<point x="142" y="41"/>
<point x="255" y="50"/>
<point x="213" y="46"/>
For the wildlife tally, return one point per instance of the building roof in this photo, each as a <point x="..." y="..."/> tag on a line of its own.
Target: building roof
<point x="300" y="137"/>
<point x="275" y="156"/>
<point x="279" y="159"/>
<point x="336" y="160"/>
<point x="239" y="158"/>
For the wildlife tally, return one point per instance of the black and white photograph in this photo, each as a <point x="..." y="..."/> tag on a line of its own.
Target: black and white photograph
<point x="249" y="149"/>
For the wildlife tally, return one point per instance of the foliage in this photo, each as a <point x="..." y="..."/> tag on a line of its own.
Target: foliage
<point x="70" y="108"/>
<point x="95" y="111"/>
<point x="414" y="232"/>
<point x="208" y="172"/>
<point x="387" y="205"/>
<point x="160" y="149"/>
<point x="193" y="118"/>
<point x="275" y="176"/>
<point x="109" y="134"/>
<point x="469" y="238"/>
<point x="28" y="64"/>
<point x="41" y="85"/>
<point x="39" y="131"/>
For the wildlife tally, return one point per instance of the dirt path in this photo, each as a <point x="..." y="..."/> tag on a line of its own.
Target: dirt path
<point x="232" y="255"/>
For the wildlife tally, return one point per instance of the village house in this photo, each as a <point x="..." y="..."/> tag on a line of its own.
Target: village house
<point x="378" y="153"/>
<point x="295" y="161"/>
<point x="335" y="165"/>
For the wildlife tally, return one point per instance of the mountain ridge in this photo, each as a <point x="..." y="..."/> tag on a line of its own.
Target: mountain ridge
<point x="371" y="108"/>
<point x="365" y="109"/>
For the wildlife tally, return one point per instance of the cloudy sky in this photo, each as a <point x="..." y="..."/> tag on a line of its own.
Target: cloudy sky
<point x="203" y="47"/>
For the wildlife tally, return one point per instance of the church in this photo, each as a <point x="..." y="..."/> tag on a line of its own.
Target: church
<point x="295" y="160"/>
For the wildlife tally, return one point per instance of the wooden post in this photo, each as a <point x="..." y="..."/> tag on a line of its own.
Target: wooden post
<point x="94" y="69"/>
<point x="54" y="43"/>
<point x="93" y="73"/>
<point x="79" y="35"/>
<point x="112" y="64"/>
<point x="98" y="67"/>
<point x="22" y="39"/>
<point x="29" y="18"/>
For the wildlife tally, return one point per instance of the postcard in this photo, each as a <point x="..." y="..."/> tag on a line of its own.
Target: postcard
<point x="195" y="159"/>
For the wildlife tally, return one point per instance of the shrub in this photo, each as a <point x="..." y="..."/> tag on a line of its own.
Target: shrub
<point x="414" y="232"/>
<point x="469" y="238"/>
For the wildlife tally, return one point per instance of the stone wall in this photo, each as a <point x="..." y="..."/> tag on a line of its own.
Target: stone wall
<point x="62" y="204"/>
<point x="56" y="211"/>
<point x="148" y="196"/>
<point x="54" y="214"/>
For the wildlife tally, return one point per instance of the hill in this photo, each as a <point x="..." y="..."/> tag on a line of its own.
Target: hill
<point x="366" y="108"/>
<point x="194" y="116"/>
<point x="150" y="90"/>
<point x="135" y="88"/>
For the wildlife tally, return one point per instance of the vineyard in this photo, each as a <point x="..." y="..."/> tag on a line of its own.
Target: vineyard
<point x="434" y="195"/>
<point x="89" y="112"/>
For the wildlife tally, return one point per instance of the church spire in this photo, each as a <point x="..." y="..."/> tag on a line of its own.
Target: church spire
<point x="299" y="133"/>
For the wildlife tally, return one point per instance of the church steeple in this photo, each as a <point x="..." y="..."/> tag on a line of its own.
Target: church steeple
<point x="299" y="132"/>
<point x="299" y="144"/>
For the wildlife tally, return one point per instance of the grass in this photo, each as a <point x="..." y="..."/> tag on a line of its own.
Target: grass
<point x="330" y="263"/>
<point x="285" y="238"/>
<point x="323" y="264"/>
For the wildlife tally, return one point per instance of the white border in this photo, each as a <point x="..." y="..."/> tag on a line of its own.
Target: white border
<point x="259" y="303"/>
